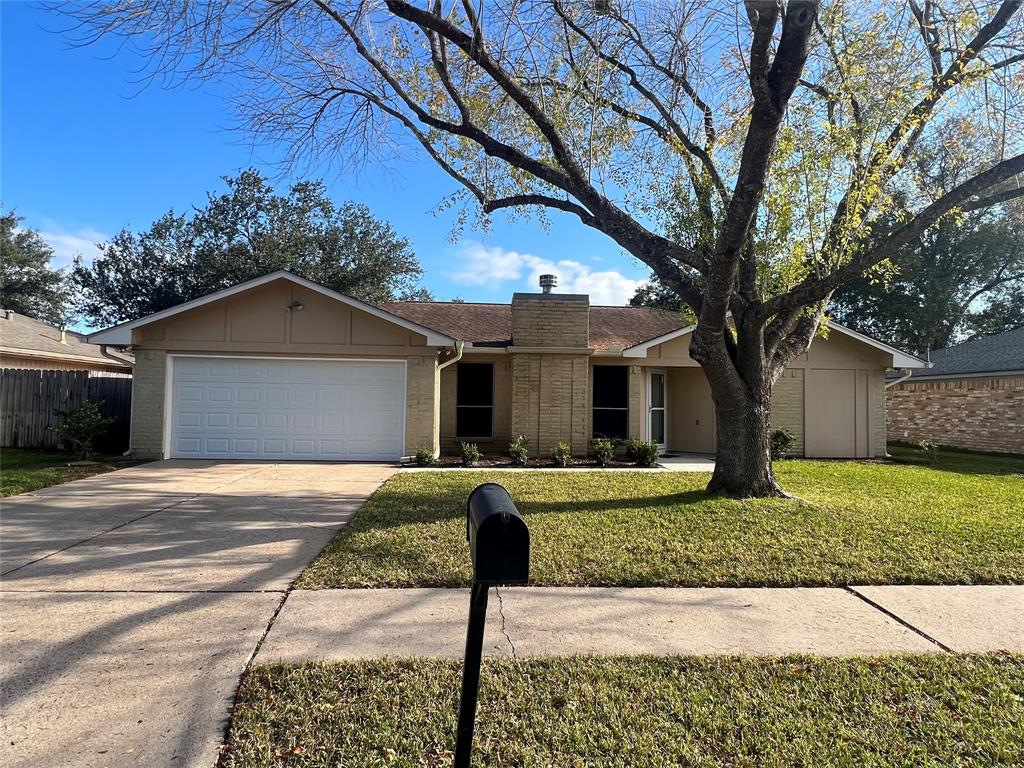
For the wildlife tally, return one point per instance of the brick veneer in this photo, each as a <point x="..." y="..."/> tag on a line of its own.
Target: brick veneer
<point x="983" y="414"/>
<point x="148" y="389"/>
<point x="550" y="320"/>
<point x="788" y="406"/>
<point x="422" y="403"/>
<point x="550" y="400"/>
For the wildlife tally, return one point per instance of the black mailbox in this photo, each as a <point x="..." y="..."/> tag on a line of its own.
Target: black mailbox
<point x="499" y="541"/>
<point x="499" y="544"/>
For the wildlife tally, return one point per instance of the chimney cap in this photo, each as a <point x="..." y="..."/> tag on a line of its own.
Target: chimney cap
<point x="547" y="282"/>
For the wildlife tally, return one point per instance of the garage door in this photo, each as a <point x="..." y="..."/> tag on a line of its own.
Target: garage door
<point x="247" y="408"/>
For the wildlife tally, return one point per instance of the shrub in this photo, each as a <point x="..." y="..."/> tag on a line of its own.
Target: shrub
<point x="603" y="450"/>
<point x="641" y="453"/>
<point x="470" y="454"/>
<point x="517" y="450"/>
<point x="644" y="454"/>
<point x="561" y="454"/>
<point x="931" y="450"/>
<point x="78" y="429"/>
<point x="781" y="443"/>
<point x="424" y="456"/>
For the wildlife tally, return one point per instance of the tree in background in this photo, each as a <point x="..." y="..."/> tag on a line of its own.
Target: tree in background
<point x="246" y="232"/>
<point x="27" y="283"/>
<point x="783" y="131"/>
<point x="962" y="278"/>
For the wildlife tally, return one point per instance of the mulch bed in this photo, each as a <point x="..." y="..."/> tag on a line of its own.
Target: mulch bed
<point x="500" y="461"/>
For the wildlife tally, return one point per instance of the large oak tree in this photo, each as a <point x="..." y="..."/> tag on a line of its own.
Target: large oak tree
<point x="782" y="133"/>
<point x="246" y="232"/>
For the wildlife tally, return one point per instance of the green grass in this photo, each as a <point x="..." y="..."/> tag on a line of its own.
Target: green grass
<point x="641" y="712"/>
<point x="960" y="521"/>
<point x="24" y="470"/>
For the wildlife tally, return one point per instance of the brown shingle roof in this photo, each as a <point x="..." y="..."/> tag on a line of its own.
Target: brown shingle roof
<point x="490" y="325"/>
<point x="19" y="333"/>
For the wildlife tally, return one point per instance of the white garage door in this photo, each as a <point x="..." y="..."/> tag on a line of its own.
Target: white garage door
<point x="248" y="408"/>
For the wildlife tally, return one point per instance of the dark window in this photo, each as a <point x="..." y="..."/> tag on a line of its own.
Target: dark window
<point x="611" y="401"/>
<point x="474" y="400"/>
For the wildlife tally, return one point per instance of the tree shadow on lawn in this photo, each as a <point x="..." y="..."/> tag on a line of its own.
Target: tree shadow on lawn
<point x="403" y="507"/>
<point x="957" y="462"/>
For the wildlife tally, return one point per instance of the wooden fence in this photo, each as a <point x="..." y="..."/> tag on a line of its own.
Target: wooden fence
<point x="29" y="398"/>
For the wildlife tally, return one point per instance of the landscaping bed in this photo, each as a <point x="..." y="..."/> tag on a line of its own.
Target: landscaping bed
<point x="960" y="522"/>
<point x="639" y="712"/>
<point x="25" y="470"/>
<point x="503" y="461"/>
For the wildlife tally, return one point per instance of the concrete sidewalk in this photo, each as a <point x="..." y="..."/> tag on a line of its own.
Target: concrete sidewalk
<point x="552" y="621"/>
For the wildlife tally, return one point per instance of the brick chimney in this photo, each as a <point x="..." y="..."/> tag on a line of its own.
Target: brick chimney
<point x="560" y="320"/>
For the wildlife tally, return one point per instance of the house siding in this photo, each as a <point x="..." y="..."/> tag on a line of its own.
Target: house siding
<point x="981" y="414"/>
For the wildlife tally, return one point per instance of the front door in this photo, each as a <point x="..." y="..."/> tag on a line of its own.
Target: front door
<point x="656" y="422"/>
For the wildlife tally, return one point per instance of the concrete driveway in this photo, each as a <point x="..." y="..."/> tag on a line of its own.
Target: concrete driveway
<point x="131" y="602"/>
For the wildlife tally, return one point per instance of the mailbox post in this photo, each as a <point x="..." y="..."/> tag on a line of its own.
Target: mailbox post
<point x="499" y="545"/>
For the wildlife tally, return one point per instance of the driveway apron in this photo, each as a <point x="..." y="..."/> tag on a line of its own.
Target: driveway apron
<point x="132" y="602"/>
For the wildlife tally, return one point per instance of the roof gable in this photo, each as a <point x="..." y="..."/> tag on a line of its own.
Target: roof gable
<point x="122" y="334"/>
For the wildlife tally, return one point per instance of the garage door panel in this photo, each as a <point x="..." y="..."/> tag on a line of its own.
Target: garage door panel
<point x="281" y="409"/>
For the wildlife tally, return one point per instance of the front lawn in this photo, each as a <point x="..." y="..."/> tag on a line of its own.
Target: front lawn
<point x="641" y="712"/>
<point x="23" y="470"/>
<point x="960" y="521"/>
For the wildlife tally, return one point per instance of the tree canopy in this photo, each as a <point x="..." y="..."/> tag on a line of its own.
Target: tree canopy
<point x="246" y="232"/>
<point x="28" y="285"/>
<point x="782" y="134"/>
<point x="962" y="278"/>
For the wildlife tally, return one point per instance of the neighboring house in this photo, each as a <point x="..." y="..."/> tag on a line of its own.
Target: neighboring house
<point x="971" y="397"/>
<point x="28" y="343"/>
<point x="281" y="368"/>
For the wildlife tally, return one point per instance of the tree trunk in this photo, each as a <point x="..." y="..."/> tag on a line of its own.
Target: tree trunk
<point x="743" y="466"/>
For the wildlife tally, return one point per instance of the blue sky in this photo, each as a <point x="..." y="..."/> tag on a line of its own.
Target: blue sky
<point x="86" y="150"/>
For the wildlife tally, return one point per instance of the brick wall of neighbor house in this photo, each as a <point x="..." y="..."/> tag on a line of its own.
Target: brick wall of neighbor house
<point x="502" y="419"/>
<point x="549" y="400"/>
<point x="788" y="406"/>
<point x="148" y="390"/>
<point x="983" y="414"/>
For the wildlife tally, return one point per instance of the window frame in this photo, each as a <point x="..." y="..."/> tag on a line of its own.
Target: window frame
<point x="617" y="409"/>
<point x="459" y="406"/>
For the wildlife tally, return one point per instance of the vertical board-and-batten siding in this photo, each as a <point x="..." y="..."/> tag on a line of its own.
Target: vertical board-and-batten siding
<point x="29" y="399"/>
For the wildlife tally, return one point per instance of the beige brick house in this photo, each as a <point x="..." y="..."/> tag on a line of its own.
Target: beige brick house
<point x="971" y="397"/>
<point x="281" y="368"/>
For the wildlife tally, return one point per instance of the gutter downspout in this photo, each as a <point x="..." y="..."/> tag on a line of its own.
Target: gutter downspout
<point x="906" y="374"/>
<point x="459" y="346"/>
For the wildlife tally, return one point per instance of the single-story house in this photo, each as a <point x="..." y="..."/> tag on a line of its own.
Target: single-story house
<point x="282" y="368"/>
<point x="972" y="396"/>
<point x="32" y="344"/>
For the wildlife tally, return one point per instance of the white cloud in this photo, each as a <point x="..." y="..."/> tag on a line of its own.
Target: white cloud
<point x="68" y="244"/>
<point x="491" y="266"/>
